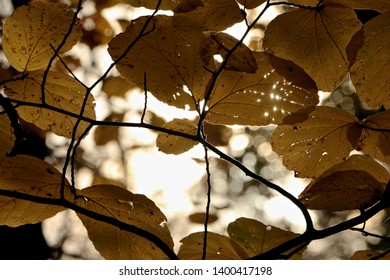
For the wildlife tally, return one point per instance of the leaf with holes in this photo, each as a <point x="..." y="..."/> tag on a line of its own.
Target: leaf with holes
<point x="375" y="138"/>
<point x="133" y="209"/>
<point x="316" y="40"/>
<point x="28" y="44"/>
<point x="173" y="144"/>
<point x="278" y="88"/>
<point x="208" y="15"/>
<point x="28" y="176"/>
<point x="164" y="56"/>
<point x="371" y="69"/>
<point x="357" y="183"/>
<point x="62" y="92"/>
<point x="313" y="140"/>
<point x="242" y="59"/>
<point x="255" y="238"/>
<point x="7" y="137"/>
<point x="219" y="247"/>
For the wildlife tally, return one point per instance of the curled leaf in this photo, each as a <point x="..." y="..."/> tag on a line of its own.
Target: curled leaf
<point x="28" y="44"/>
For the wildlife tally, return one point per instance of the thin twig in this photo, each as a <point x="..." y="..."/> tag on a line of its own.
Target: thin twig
<point x="208" y="204"/>
<point x="146" y="98"/>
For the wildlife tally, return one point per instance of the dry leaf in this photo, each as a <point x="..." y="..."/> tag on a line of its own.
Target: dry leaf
<point x="62" y="92"/>
<point x="172" y="144"/>
<point x="133" y="209"/>
<point x="31" y="176"/>
<point x="370" y="73"/>
<point x="376" y="141"/>
<point x="164" y="55"/>
<point x="357" y="183"/>
<point x="219" y="247"/>
<point x="215" y="15"/>
<point x="314" y="40"/>
<point x="313" y="140"/>
<point x="28" y="44"/>
<point x="278" y="88"/>
<point x="255" y="238"/>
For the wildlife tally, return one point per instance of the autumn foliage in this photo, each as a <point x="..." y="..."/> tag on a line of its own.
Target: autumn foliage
<point x="185" y="59"/>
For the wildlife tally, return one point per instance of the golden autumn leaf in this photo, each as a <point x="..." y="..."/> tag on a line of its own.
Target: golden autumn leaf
<point x="163" y="55"/>
<point x="116" y="86"/>
<point x="316" y="40"/>
<point x="278" y="88"/>
<point x="200" y="218"/>
<point x="132" y="209"/>
<point x="308" y="3"/>
<point x="215" y="15"/>
<point x="104" y="134"/>
<point x="219" y="247"/>
<point x="31" y="176"/>
<point x="251" y="4"/>
<point x="312" y="140"/>
<point x="242" y="59"/>
<point x="255" y="238"/>
<point x="357" y="183"/>
<point x="61" y="91"/>
<point x="172" y="144"/>
<point x="152" y="4"/>
<point x="7" y="137"/>
<point x="370" y="72"/>
<point x="369" y="254"/>
<point x="375" y="138"/>
<point x="28" y="44"/>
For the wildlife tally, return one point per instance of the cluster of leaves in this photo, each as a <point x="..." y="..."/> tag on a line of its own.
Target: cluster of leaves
<point x="187" y="61"/>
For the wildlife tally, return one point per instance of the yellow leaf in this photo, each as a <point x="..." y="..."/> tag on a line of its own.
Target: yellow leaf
<point x="200" y="218"/>
<point x="357" y="183"/>
<point x="368" y="254"/>
<point x="104" y="134"/>
<point x="251" y="4"/>
<point x="370" y="73"/>
<point x="132" y="209"/>
<point x="33" y="30"/>
<point x="314" y="40"/>
<point x="378" y="5"/>
<point x="116" y="86"/>
<point x="152" y="4"/>
<point x="7" y="137"/>
<point x="172" y="144"/>
<point x="242" y="59"/>
<point x="215" y="15"/>
<point x="375" y="138"/>
<point x="31" y="176"/>
<point x="61" y="91"/>
<point x="255" y="238"/>
<point x="308" y="3"/>
<point x="219" y="247"/>
<point x="164" y="55"/>
<point x="314" y="139"/>
<point x="278" y="88"/>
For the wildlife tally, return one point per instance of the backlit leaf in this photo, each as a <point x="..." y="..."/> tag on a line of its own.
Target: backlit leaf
<point x="7" y="137"/>
<point x="116" y="86"/>
<point x="370" y="73"/>
<point x="152" y="4"/>
<point x="255" y="238"/>
<point x="313" y="140"/>
<point x="200" y="218"/>
<point x="164" y="55"/>
<point x="215" y="15"/>
<point x="354" y="184"/>
<point x="133" y="209"/>
<point x="242" y="59"/>
<point x="378" y="5"/>
<point x="314" y="40"/>
<point x="251" y="4"/>
<point x="31" y="176"/>
<point x="33" y="30"/>
<point x="278" y="88"/>
<point x="375" y="138"/>
<point x="172" y="144"/>
<point x="104" y="134"/>
<point x="219" y="247"/>
<point x="61" y="91"/>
